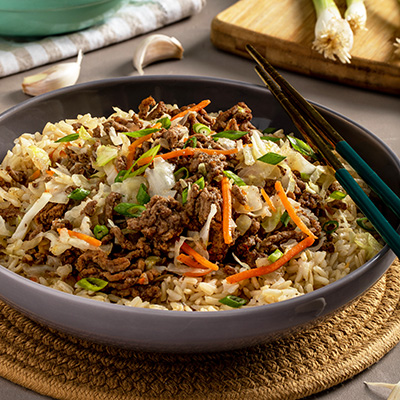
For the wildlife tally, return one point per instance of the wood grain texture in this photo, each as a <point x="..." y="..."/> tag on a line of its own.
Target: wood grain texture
<point x="283" y="31"/>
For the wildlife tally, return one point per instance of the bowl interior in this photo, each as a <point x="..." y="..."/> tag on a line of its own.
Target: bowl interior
<point x="157" y="330"/>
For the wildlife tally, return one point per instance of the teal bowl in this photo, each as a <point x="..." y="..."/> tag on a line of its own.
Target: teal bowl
<point x="27" y="18"/>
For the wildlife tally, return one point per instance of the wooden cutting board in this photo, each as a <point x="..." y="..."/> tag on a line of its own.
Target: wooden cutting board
<point x="283" y="31"/>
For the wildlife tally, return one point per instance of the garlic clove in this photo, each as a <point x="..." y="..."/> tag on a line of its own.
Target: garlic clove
<point x="55" y="77"/>
<point x="154" y="48"/>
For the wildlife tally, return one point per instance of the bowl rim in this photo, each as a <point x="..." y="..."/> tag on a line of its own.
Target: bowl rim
<point x="165" y="314"/>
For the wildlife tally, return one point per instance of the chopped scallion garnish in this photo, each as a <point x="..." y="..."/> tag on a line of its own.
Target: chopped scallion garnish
<point x="142" y="197"/>
<point x="233" y="301"/>
<point x="269" y="130"/>
<point x="79" y="194"/>
<point x="200" y="182"/>
<point x="201" y="128"/>
<point x="185" y="195"/>
<point x="337" y="195"/>
<point x="131" y="210"/>
<point x="330" y="226"/>
<point x="271" y="158"/>
<point x="141" y="133"/>
<point x="276" y="255"/>
<point x="270" y="138"/>
<point x="165" y="122"/>
<point x="236" y="179"/>
<point x="191" y="142"/>
<point x="182" y="173"/>
<point x="230" y="134"/>
<point x="365" y="224"/>
<point x="100" y="231"/>
<point x="285" y="218"/>
<point x="68" y="138"/>
<point x="302" y="147"/>
<point x="93" y="284"/>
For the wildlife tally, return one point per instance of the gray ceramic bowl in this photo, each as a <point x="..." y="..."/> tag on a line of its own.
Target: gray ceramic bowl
<point x="173" y="331"/>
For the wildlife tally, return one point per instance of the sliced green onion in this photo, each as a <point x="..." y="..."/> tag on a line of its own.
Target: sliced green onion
<point x="233" y="135"/>
<point x="192" y="142"/>
<point x="330" y="226"/>
<point x="142" y="197"/>
<point x="79" y="194"/>
<point x="68" y="138"/>
<point x="182" y="173"/>
<point x="93" y="284"/>
<point x="337" y="195"/>
<point x="365" y="224"/>
<point x="185" y="195"/>
<point x="271" y="158"/>
<point x="141" y="133"/>
<point x="131" y="210"/>
<point x="270" y="130"/>
<point x="201" y="128"/>
<point x="233" y="301"/>
<point x="200" y="182"/>
<point x="285" y="218"/>
<point x="302" y="147"/>
<point x="236" y="179"/>
<point x="276" y="255"/>
<point x="100" y="231"/>
<point x="304" y="176"/>
<point x="165" y="122"/>
<point x="270" y="138"/>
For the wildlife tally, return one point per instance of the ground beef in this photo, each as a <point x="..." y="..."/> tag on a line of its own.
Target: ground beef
<point x="272" y="242"/>
<point x="111" y="201"/>
<point x="49" y="213"/>
<point x="120" y="163"/>
<point x="145" y="106"/>
<point x="168" y="138"/>
<point x="241" y="113"/>
<point x="163" y="220"/>
<point x="214" y="165"/>
<point x="89" y="208"/>
<point x="10" y="212"/>
<point x="217" y="249"/>
<point x="78" y="163"/>
<point x="158" y="111"/>
<point x="17" y="176"/>
<point x="70" y="256"/>
<point x="99" y="259"/>
<point x="309" y="200"/>
<point x="198" y="205"/>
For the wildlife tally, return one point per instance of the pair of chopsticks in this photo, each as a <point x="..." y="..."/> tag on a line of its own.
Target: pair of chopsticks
<point x="321" y="136"/>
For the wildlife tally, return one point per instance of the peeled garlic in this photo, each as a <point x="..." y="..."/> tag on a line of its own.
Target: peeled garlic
<point x="156" y="48"/>
<point x="55" y="77"/>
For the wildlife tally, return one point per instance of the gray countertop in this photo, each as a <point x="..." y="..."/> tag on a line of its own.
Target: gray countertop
<point x="379" y="113"/>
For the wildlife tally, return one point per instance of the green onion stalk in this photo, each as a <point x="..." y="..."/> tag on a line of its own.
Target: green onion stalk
<point x="333" y="35"/>
<point x="356" y="15"/>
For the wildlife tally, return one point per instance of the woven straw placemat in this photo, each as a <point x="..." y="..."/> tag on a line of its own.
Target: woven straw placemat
<point x="63" y="367"/>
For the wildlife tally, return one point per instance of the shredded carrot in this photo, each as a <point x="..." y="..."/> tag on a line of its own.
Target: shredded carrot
<point x="195" y="108"/>
<point x="268" y="200"/>
<point x="142" y="279"/>
<point x="266" y="269"/>
<point x="35" y="175"/>
<point x="291" y="211"/>
<point x="88" y="239"/>
<point x="133" y="146"/>
<point x="189" y="261"/>
<point x="226" y="209"/>
<point x="50" y="172"/>
<point x="198" y="257"/>
<point x="189" y="151"/>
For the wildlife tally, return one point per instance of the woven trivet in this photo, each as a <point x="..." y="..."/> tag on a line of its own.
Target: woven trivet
<point x="63" y="367"/>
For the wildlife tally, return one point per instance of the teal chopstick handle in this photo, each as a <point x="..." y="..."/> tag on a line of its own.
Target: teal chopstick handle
<point x="368" y="208"/>
<point x="369" y="176"/>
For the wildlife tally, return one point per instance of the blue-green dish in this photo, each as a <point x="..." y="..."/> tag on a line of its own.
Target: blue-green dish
<point x="27" y="18"/>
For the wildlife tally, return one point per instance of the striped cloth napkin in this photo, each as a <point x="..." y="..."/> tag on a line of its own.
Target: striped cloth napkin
<point x="134" y="18"/>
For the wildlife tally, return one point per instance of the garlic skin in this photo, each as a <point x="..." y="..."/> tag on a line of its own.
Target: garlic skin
<point x="55" y="77"/>
<point x="154" y="48"/>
